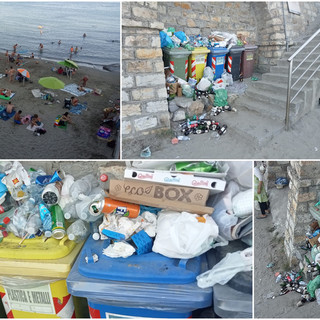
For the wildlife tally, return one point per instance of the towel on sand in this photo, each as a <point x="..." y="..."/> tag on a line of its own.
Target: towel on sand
<point x="72" y="89"/>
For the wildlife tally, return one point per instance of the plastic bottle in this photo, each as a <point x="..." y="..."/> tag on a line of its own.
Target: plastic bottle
<point x="6" y="217"/>
<point x="104" y="180"/>
<point x="78" y="231"/>
<point x="33" y="224"/>
<point x="7" y="204"/>
<point x="94" y="229"/>
<point x="46" y="220"/>
<point x="70" y="212"/>
<point x="183" y="138"/>
<point x="83" y="186"/>
<point x="51" y="193"/>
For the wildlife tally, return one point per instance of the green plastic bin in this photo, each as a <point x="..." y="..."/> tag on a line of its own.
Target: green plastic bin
<point x="177" y="60"/>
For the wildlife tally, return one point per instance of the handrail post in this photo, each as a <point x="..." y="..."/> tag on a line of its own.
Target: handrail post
<point x="288" y="96"/>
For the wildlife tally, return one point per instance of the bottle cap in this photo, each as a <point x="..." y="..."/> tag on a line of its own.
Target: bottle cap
<point x="96" y="236"/>
<point x="71" y="236"/>
<point x="6" y="220"/>
<point x="47" y="234"/>
<point x="4" y="233"/>
<point x="104" y="178"/>
<point x="67" y="215"/>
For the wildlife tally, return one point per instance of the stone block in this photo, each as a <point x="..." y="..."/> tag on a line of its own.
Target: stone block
<point x="136" y="41"/>
<point x="157" y="106"/>
<point x="142" y="94"/>
<point x="155" y="41"/>
<point x="179" y="115"/>
<point x="132" y="23"/>
<point x="145" y="13"/>
<point x="305" y="197"/>
<point x="183" y="5"/>
<point x="305" y="183"/>
<point x="125" y="96"/>
<point x="196" y="108"/>
<point x="158" y="66"/>
<point x="162" y="93"/>
<point x="277" y="36"/>
<point x="137" y="66"/>
<point x="157" y="25"/>
<point x="150" y="80"/>
<point x="183" y="102"/>
<point x="173" y="106"/>
<point x="164" y="119"/>
<point x="126" y="127"/>
<point x="145" y="123"/>
<point x="130" y="109"/>
<point x="191" y="23"/>
<point x="127" y="82"/>
<point x="148" y="53"/>
<point x="127" y="53"/>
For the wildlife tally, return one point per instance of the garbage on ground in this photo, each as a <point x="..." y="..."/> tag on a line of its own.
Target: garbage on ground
<point x="281" y="182"/>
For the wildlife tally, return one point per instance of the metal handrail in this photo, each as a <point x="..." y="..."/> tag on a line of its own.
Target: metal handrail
<point x="290" y="87"/>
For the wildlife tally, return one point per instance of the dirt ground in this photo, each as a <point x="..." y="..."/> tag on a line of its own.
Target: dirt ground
<point x="269" y="248"/>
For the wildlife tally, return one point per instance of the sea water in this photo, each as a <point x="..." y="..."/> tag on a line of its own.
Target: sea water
<point x="30" y="23"/>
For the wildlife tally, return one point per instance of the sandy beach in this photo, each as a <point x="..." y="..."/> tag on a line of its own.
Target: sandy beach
<point x="79" y="140"/>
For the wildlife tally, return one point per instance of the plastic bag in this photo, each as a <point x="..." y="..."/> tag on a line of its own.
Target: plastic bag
<point x="227" y="78"/>
<point x="221" y="98"/>
<point x="187" y="91"/>
<point x="242" y="203"/>
<point x="184" y="235"/>
<point x="181" y="35"/>
<point x="192" y="82"/>
<point x="119" y="249"/>
<point x="204" y="84"/>
<point x="208" y="73"/>
<point x="317" y="293"/>
<point x="165" y="40"/>
<point x="223" y="214"/>
<point x="313" y="285"/>
<point x="219" y="84"/>
<point x="226" y="269"/>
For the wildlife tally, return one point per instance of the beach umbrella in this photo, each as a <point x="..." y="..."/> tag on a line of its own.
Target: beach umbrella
<point x="72" y="64"/>
<point x="24" y="72"/>
<point x="51" y="83"/>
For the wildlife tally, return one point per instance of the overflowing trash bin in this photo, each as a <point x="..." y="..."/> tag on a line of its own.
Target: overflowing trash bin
<point x="247" y="60"/>
<point x="233" y="61"/>
<point x="177" y="60"/>
<point x="197" y="62"/>
<point x="143" y="246"/>
<point x="216" y="60"/>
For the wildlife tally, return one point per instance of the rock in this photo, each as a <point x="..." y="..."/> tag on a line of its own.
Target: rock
<point x="196" y="108"/>
<point x="183" y="102"/>
<point x="179" y="115"/>
<point x="173" y="106"/>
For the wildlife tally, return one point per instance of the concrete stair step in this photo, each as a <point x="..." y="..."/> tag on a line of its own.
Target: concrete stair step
<point x="302" y="54"/>
<point x="251" y="126"/>
<point x="283" y="78"/>
<point x="284" y="68"/>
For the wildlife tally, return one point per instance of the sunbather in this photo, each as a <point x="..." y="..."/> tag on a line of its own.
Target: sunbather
<point x="35" y="121"/>
<point x="74" y="101"/>
<point x="5" y="92"/>
<point x="65" y="118"/>
<point x="17" y="117"/>
<point x="9" y="107"/>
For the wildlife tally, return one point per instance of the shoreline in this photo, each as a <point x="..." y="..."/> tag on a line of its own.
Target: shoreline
<point x="80" y="64"/>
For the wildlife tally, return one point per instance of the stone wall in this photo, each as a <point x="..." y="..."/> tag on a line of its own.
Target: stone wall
<point x="271" y="31"/>
<point x="304" y="191"/>
<point x="144" y="104"/>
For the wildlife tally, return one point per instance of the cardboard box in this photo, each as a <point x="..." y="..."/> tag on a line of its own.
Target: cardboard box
<point x="179" y="91"/>
<point x="173" y="87"/>
<point x="314" y="240"/>
<point x="178" y="198"/>
<point x="187" y="179"/>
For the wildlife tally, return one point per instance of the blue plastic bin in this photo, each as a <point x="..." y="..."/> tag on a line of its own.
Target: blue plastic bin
<point x="216" y="60"/>
<point x="148" y="285"/>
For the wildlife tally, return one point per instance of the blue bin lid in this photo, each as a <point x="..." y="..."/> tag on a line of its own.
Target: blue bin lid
<point x="134" y="294"/>
<point x="218" y="50"/>
<point x="150" y="267"/>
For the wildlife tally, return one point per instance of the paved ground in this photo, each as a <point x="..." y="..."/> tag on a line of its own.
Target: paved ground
<point x="268" y="246"/>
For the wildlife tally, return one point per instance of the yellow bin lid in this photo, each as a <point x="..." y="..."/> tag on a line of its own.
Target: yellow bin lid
<point x="200" y="50"/>
<point x="35" y="258"/>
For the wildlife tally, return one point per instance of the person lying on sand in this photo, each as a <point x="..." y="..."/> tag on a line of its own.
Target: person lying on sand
<point x="81" y="89"/>
<point x="35" y="120"/>
<point x="9" y="107"/>
<point x="17" y="117"/>
<point x="65" y="118"/>
<point x="5" y="92"/>
<point x="74" y="101"/>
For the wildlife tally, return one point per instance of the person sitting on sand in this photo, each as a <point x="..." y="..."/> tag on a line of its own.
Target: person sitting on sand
<point x="83" y="81"/>
<point x="60" y="70"/>
<point x="81" y="89"/>
<point x="5" y="92"/>
<point x="9" y="107"/>
<point x="35" y="121"/>
<point x="65" y="118"/>
<point x="17" y="117"/>
<point x="74" y="101"/>
<point x="11" y="74"/>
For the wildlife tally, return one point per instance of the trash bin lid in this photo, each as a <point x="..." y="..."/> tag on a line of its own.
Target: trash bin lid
<point x="236" y="49"/>
<point x="250" y="47"/>
<point x="176" y="51"/>
<point x="49" y="261"/>
<point x="218" y="50"/>
<point x="150" y="267"/>
<point x="200" y="50"/>
<point x="138" y="295"/>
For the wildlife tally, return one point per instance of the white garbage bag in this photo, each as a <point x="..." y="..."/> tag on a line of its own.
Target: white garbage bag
<point x="184" y="235"/>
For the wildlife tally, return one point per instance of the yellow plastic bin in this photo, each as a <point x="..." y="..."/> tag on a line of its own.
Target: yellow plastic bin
<point x="33" y="277"/>
<point x="197" y="62"/>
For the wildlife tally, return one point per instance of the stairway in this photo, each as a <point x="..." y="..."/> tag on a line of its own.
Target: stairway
<point x="261" y="110"/>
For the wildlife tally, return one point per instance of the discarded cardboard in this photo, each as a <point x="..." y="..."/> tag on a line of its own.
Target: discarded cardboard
<point x="314" y="240"/>
<point x="173" y="87"/>
<point x="186" y="179"/>
<point x="171" y="197"/>
<point x="179" y="91"/>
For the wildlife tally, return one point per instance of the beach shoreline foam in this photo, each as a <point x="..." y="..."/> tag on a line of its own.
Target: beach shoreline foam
<point x="79" y="140"/>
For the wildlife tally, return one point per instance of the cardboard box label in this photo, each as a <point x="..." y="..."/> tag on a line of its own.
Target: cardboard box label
<point x="159" y="192"/>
